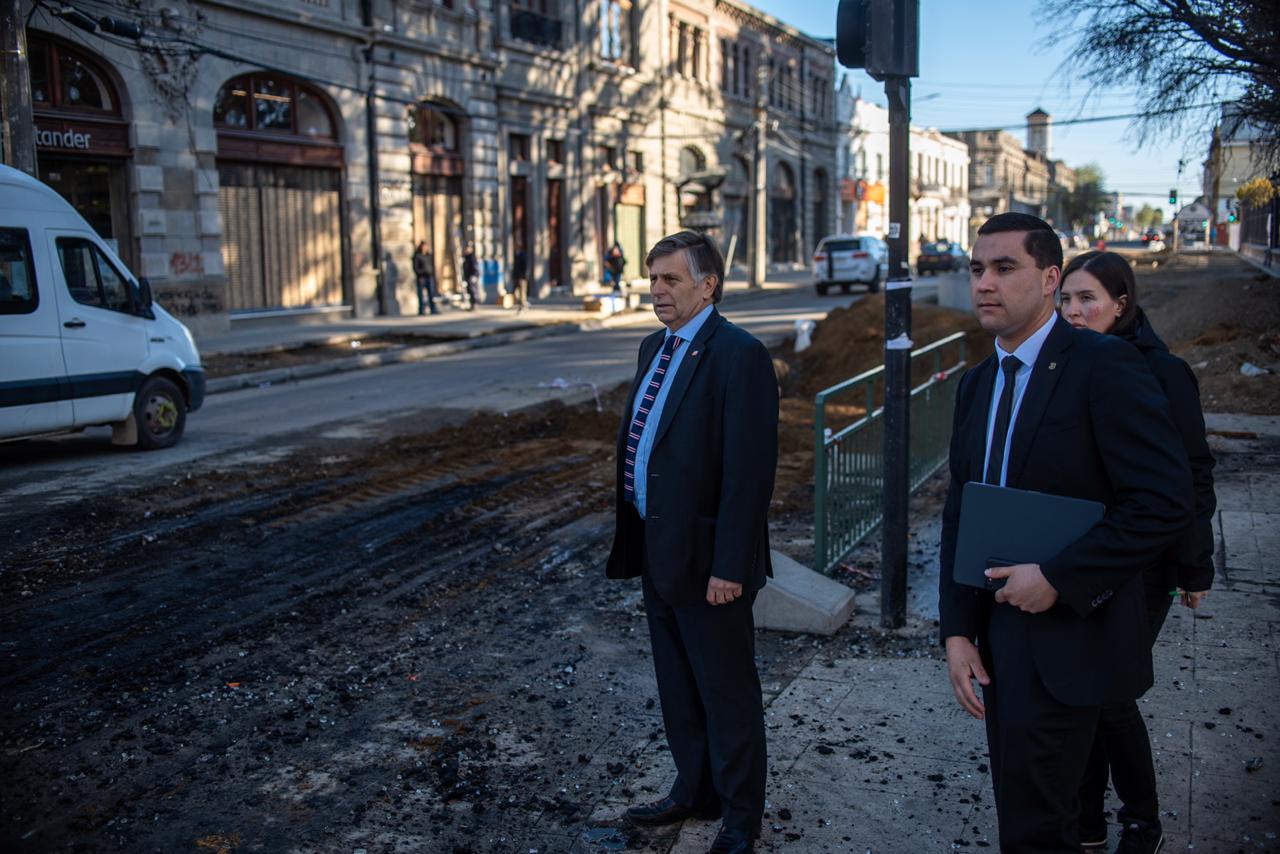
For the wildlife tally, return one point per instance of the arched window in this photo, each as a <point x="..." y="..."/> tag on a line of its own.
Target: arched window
<point x="691" y="160"/>
<point x="269" y="103"/>
<point x="64" y="79"/>
<point x="433" y="128"/>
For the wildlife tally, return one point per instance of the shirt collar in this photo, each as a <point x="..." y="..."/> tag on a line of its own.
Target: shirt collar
<point x="690" y="330"/>
<point x="1028" y="351"/>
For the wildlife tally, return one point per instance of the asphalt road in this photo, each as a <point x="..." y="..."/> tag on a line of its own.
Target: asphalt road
<point x="258" y="425"/>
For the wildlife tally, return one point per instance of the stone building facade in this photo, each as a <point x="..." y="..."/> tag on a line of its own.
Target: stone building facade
<point x="271" y="161"/>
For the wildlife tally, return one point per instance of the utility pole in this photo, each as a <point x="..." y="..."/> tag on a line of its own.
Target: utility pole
<point x="18" y="129"/>
<point x="883" y="36"/>
<point x="897" y="362"/>
<point x="758" y="170"/>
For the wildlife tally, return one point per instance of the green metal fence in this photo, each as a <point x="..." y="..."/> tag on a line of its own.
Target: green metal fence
<point x="849" y="462"/>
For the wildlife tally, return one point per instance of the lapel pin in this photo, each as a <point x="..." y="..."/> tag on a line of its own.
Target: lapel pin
<point x="1053" y="365"/>
<point x="694" y="353"/>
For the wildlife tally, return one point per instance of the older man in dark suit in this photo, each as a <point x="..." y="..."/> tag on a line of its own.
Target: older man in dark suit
<point x="696" y="457"/>
<point x="1069" y="412"/>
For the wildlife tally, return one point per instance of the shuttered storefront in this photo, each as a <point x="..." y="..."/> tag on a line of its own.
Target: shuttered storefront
<point x="282" y="236"/>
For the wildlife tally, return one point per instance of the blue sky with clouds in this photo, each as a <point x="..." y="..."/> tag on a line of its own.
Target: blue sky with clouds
<point x="989" y="63"/>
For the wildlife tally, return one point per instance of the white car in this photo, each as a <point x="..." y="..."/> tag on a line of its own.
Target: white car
<point x="843" y="260"/>
<point x="81" y="341"/>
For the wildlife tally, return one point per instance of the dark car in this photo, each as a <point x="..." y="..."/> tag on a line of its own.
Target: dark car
<point x="941" y="257"/>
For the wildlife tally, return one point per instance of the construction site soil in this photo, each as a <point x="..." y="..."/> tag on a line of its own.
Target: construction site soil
<point x="406" y="645"/>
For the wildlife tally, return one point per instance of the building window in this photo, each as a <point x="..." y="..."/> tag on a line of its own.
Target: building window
<point x="62" y="80"/>
<point x="555" y="151"/>
<point x="608" y="158"/>
<point x="535" y="21"/>
<point x="518" y="147"/>
<point x="879" y="167"/>
<point x="616" y="28"/>
<point x="637" y="162"/>
<point x="269" y="103"/>
<point x="433" y="129"/>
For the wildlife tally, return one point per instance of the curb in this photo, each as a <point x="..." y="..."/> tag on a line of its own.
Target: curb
<point x="475" y="341"/>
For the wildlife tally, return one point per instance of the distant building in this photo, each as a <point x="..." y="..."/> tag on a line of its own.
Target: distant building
<point x="1231" y="163"/>
<point x="285" y="165"/>
<point x="939" y="178"/>
<point x="1005" y="175"/>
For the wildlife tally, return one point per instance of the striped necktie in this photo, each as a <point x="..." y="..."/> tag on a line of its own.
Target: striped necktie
<point x="636" y="428"/>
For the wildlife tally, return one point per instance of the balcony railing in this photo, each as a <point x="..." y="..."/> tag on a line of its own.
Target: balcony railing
<point x="535" y="28"/>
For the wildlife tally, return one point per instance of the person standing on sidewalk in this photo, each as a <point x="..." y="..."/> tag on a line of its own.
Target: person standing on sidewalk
<point x="1067" y="412"/>
<point x="471" y="275"/>
<point x="1098" y="292"/>
<point x="697" y="450"/>
<point x="615" y="261"/>
<point x="520" y="280"/>
<point x="424" y="272"/>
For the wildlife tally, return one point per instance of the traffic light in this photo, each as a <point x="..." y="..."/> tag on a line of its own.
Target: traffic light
<point x="882" y="36"/>
<point x="1173" y="197"/>
<point x="1232" y="216"/>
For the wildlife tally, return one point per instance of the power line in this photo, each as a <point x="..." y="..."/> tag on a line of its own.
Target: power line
<point x="1094" y="119"/>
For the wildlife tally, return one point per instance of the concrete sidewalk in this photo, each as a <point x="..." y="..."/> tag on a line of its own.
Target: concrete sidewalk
<point x="455" y="322"/>
<point x="874" y="755"/>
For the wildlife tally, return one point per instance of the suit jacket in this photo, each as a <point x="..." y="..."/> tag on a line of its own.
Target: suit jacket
<point x="711" y="470"/>
<point x="1092" y="424"/>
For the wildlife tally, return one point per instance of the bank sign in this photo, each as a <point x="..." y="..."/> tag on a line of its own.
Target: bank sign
<point x="109" y="138"/>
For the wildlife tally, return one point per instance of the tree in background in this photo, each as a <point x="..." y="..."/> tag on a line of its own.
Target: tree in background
<point x="1089" y="196"/>
<point x="1186" y="57"/>
<point x="1144" y="216"/>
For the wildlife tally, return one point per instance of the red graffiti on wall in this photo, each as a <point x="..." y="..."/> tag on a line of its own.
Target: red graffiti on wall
<point x="185" y="263"/>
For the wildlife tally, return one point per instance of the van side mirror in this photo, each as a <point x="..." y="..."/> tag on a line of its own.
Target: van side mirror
<point x="145" y="299"/>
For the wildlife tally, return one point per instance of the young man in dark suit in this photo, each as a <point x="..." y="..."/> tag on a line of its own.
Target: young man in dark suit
<point x="696" y="457"/>
<point x="1069" y="412"/>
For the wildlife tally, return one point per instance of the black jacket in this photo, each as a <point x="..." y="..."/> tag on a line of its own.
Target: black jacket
<point x="1092" y="424"/>
<point x="711" y="470"/>
<point x="424" y="264"/>
<point x="1188" y="563"/>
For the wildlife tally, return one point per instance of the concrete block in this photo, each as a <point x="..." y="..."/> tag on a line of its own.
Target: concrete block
<point x="150" y="178"/>
<point x="145" y="134"/>
<point x="210" y="222"/>
<point x="151" y="221"/>
<point x="206" y="181"/>
<point x="206" y="139"/>
<point x="181" y="223"/>
<point x="953" y="292"/>
<point x="797" y="599"/>
<point x="211" y="262"/>
<point x="155" y="265"/>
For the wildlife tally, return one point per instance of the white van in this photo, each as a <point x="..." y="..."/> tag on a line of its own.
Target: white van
<point x="81" y="342"/>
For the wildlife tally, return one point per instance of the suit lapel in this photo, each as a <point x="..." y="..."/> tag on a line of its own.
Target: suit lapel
<point x="1044" y="377"/>
<point x="693" y="357"/>
<point x="984" y="377"/>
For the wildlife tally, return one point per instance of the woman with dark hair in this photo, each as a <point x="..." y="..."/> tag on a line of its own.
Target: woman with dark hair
<point x="1098" y="291"/>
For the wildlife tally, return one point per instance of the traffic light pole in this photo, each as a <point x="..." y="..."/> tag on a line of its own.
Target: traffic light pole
<point x="897" y="362"/>
<point x="759" y="169"/>
<point x="16" y="123"/>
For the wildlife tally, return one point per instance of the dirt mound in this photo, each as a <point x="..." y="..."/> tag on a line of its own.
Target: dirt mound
<point x="1218" y="313"/>
<point x="851" y="340"/>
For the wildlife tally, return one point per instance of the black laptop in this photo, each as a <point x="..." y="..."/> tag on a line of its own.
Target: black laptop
<point x="1000" y="526"/>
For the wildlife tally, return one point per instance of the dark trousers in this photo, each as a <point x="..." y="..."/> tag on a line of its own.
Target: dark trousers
<point x="1038" y="748"/>
<point x="426" y="294"/>
<point x="520" y="289"/>
<point x="473" y="291"/>
<point x="704" y="657"/>
<point x="1122" y="748"/>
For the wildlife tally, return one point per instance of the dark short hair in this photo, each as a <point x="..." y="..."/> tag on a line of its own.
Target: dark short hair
<point x="1115" y="274"/>
<point x="704" y="258"/>
<point x="1041" y="241"/>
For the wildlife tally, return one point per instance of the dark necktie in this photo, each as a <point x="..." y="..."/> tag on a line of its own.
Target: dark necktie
<point x="999" y="433"/>
<point x="642" y="415"/>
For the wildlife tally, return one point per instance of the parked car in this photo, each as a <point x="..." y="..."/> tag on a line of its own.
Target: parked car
<point x="82" y="343"/>
<point x="942" y="256"/>
<point x="843" y="260"/>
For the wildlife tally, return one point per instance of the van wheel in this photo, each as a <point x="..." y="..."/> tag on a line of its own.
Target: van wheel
<point x="160" y="411"/>
<point x="821" y="289"/>
<point x="873" y="286"/>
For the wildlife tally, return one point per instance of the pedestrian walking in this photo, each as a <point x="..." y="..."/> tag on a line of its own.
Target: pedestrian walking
<point x="1068" y="412"/>
<point x="1098" y="292"/>
<point x="424" y="272"/>
<point x="615" y="262"/>
<point x="696" y="452"/>
<point x="471" y="276"/>
<point x="520" y="280"/>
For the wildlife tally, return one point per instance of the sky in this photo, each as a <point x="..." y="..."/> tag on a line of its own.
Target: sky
<point x="987" y="64"/>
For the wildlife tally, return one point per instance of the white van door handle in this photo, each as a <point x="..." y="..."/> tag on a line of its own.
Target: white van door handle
<point x="74" y="323"/>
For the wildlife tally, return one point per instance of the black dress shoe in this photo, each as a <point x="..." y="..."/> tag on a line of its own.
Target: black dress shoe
<point x="730" y="841"/>
<point x="667" y="811"/>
